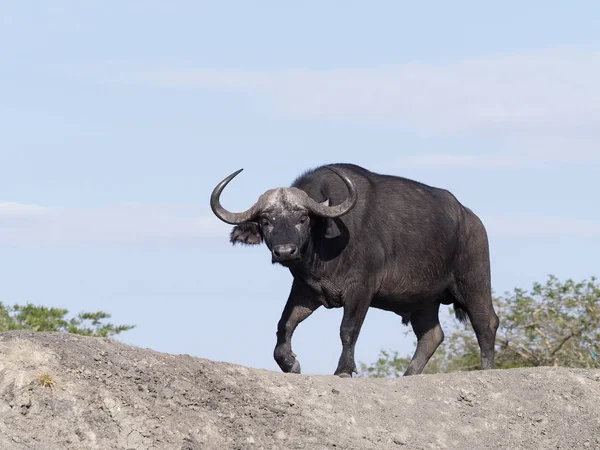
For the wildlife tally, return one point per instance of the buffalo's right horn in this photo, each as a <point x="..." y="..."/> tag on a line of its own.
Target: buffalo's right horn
<point x="222" y="213"/>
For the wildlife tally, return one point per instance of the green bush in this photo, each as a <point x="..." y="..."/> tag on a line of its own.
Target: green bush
<point x="41" y="318"/>
<point x="553" y="324"/>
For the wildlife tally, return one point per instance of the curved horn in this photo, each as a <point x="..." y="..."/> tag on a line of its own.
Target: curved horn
<point x="338" y="210"/>
<point x="222" y="213"/>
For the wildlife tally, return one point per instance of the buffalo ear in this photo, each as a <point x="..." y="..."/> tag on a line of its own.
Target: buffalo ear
<point x="246" y="233"/>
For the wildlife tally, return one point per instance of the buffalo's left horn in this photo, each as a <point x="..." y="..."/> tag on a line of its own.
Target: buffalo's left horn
<point x="222" y="213"/>
<point x="339" y="210"/>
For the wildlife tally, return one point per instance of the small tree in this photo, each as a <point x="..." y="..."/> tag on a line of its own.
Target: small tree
<point x="41" y="318"/>
<point x="555" y="324"/>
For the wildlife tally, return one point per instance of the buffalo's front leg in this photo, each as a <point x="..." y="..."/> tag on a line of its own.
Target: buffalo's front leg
<point x="355" y="311"/>
<point x="299" y="306"/>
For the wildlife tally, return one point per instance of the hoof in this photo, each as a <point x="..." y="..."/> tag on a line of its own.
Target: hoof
<point x="345" y="375"/>
<point x="295" y="367"/>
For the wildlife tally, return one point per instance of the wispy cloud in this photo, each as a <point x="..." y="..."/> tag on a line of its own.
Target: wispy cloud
<point x="540" y="226"/>
<point x="454" y="160"/>
<point x="540" y="93"/>
<point x="125" y="224"/>
<point x="15" y="209"/>
<point x="524" y="152"/>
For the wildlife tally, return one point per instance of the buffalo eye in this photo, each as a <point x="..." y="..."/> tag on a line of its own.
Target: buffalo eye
<point x="303" y="220"/>
<point x="264" y="222"/>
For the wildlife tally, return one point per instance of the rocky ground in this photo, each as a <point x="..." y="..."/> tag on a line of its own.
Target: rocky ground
<point x="70" y="392"/>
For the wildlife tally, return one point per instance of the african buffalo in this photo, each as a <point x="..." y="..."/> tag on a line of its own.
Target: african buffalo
<point x="356" y="239"/>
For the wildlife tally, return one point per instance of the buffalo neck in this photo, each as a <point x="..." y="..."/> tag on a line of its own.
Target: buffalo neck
<point x="321" y="255"/>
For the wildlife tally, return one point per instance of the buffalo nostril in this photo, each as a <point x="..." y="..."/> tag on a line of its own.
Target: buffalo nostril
<point x="285" y="251"/>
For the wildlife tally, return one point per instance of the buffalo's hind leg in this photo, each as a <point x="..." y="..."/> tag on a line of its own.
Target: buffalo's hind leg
<point x="299" y="306"/>
<point x="480" y="309"/>
<point x="473" y="289"/>
<point x="426" y="325"/>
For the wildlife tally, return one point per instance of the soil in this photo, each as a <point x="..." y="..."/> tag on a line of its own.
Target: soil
<point x="62" y="391"/>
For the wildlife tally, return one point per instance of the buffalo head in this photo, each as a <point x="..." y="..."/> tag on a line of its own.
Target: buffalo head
<point x="281" y="217"/>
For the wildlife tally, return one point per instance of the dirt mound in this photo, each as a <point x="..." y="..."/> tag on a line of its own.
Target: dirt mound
<point x="70" y="392"/>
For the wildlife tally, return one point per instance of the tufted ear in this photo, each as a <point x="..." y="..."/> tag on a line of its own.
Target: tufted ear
<point x="246" y="233"/>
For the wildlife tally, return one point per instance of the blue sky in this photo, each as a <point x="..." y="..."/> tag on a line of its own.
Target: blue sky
<point x="118" y="118"/>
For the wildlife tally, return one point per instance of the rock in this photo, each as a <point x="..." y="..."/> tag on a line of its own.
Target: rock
<point x="127" y="397"/>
